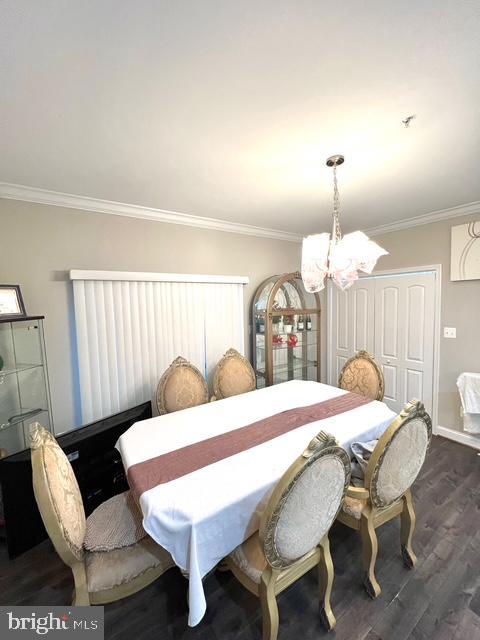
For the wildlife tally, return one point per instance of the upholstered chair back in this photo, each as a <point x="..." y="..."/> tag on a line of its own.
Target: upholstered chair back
<point x="233" y="375"/>
<point x="362" y="375"/>
<point x="58" y="496"/>
<point x="305" y="502"/>
<point x="399" y="455"/>
<point x="181" y="386"/>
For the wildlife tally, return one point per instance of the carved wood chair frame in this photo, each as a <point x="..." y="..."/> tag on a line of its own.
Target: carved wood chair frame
<point x="231" y="353"/>
<point x="364" y="355"/>
<point x="280" y="572"/>
<point x="164" y="380"/>
<point x="73" y="557"/>
<point x="376" y="511"/>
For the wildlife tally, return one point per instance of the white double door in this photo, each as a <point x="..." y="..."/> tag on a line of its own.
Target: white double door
<point x="393" y="318"/>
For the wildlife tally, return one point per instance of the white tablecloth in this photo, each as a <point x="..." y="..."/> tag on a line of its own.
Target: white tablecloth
<point x="202" y="516"/>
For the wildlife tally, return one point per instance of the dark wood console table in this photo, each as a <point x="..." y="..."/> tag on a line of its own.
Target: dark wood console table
<point x="97" y="466"/>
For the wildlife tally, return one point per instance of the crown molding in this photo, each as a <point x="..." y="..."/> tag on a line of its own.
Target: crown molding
<point x="472" y="208"/>
<point x="11" y="191"/>
<point x="83" y="203"/>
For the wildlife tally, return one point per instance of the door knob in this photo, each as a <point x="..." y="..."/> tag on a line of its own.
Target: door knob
<point x="388" y="361"/>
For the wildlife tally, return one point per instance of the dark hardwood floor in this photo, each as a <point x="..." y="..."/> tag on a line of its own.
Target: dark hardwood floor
<point x="439" y="599"/>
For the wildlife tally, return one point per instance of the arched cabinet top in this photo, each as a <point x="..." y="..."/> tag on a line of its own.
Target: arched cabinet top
<point x="285" y="294"/>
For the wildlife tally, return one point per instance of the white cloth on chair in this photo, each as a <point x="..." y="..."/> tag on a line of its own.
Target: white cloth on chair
<point x="362" y="452"/>
<point x="469" y="389"/>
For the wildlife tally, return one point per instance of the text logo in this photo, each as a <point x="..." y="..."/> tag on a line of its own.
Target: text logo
<point x="61" y="622"/>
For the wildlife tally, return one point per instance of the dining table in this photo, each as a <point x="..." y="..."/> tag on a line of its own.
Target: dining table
<point x="202" y="476"/>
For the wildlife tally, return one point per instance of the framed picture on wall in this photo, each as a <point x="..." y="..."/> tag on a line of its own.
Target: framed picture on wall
<point x="11" y="302"/>
<point x="465" y="252"/>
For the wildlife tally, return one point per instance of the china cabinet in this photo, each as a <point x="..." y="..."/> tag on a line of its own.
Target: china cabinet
<point x="24" y="389"/>
<point x="286" y="331"/>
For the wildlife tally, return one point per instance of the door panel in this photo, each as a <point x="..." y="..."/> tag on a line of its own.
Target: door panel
<point x="360" y="319"/>
<point x="413" y="383"/>
<point x="390" y="375"/>
<point x="388" y="299"/>
<point x="393" y="318"/>
<point x="352" y="323"/>
<point x="342" y="322"/>
<point x="404" y="336"/>
<point x="343" y="348"/>
<point x="415" y="322"/>
<point x="341" y="360"/>
<point x="389" y="326"/>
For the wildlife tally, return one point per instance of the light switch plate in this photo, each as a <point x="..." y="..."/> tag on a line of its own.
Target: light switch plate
<point x="449" y="332"/>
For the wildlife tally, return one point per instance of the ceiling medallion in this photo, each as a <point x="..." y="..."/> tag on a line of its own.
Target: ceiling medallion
<point x="337" y="257"/>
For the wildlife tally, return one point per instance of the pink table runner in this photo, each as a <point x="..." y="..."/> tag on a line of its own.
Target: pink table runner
<point x="175" y="464"/>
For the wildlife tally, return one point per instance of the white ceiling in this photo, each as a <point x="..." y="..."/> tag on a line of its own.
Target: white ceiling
<point x="229" y="108"/>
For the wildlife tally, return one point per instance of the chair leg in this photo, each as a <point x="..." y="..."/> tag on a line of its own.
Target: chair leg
<point x="80" y="594"/>
<point x="407" y="519"/>
<point x="269" y="606"/>
<point x="370" y="550"/>
<point x="325" y="575"/>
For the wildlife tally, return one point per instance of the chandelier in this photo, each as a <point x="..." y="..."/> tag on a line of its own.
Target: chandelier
<point x="337" y="257"/>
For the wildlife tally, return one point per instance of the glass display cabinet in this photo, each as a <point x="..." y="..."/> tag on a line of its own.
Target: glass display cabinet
<point x="286" y="331"/>
<point x="24" y="390"/>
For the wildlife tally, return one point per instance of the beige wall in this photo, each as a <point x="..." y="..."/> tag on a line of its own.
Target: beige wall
<point x="427" y="245"/>
<point x="40" y="244"/>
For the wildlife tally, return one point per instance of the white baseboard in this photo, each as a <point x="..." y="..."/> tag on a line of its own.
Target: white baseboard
<point x="459" y="436"/>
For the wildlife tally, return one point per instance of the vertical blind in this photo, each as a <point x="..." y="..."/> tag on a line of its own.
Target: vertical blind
<point x="130" y="326"/>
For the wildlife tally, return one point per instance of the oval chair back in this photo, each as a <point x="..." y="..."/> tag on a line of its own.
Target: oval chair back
<point x="233" y="375"/>
<point x="362" y="375"/>
<point x="58" y="496"/>
<point x="399" y="455"/>
<point x="182" y="386"/>
<point x="305" y="502"/>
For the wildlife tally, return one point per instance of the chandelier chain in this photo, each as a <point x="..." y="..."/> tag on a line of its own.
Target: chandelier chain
<point x="337" y="233"/>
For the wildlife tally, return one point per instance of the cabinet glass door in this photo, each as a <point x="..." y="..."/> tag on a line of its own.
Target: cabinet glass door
<point x="286" y="330"/>
<point x="24" y="393"/>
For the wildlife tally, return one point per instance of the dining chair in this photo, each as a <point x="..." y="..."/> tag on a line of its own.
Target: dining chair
<point x="386" y="492"/>
<point x="181" y="386"/>
<point x="293" y="535"/>
<point x="109" y="553"/>
<point x="362" y="375"/>
<point x="233" y="375"/>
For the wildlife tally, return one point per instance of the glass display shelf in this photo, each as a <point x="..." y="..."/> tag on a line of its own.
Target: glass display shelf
<point x="286" y="342"/>
<point x="18" y="369"/>
<point x="279" y="324"/>
<point x="24" y="389"/>
<point x="287" y="357"/>
<point x="297" y="365"/>
<point x="284" y="374"/>
<point x="290" y="347"/>
<point x="308" y="373"/>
